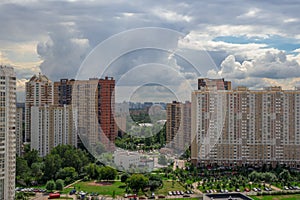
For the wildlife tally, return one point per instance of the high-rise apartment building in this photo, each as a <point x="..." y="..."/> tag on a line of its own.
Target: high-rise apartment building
<point x="106" y="109"/>
<point x="63" y="92"/>
<point x="39" y="92"/>
<point x="93" y="101"/>
<point x="19" y="131"/>
<point x="242" y="126"/>
<point x="7" y="132"/>
<point x="178" y="130"/>
<point x="218" y="84"/>
<point x="52" y="126"/>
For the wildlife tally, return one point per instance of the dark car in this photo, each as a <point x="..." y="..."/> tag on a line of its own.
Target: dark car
<point x="72" y="192"/>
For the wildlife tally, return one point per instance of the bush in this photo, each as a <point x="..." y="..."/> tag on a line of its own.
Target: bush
<point x="50" y="185"/>
<point x="124" y="177"/>
<point x="59" y="184"/>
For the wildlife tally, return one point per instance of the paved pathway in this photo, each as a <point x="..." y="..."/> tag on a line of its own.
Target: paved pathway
<point x="195" y="186"/>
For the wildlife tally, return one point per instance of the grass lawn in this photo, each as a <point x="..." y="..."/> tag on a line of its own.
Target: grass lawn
<point x="168" y="186"/>
<point x="278" y="197"/>
<point x="116" y="186"/>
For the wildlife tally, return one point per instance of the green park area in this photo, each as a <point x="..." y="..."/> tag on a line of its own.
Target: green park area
<point x="103" y="188"/>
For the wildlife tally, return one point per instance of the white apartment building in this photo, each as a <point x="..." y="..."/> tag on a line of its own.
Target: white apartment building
<point x="52" y="126"/>
<point x="7" y="132"/>
<point x="242" y="126"/>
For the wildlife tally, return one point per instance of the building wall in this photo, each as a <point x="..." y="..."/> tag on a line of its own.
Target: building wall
<point x="85" y="105"/>
<point x="63" y="92"/>
<point x="245" y="126"/>
<point x="126" y="160"/>
<point x="19" y="131"/>
<point x="39" y="92"/>
<point x="106" y="109"/>
<point x="178" y="127"/>
<point x="7" y="132"/>
<point x="52" y="126"/>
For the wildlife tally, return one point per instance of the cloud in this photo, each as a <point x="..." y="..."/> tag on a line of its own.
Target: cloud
<point x="63" y="53"/>
<point x="60" y="34"/>
<point x="269" y="68"/>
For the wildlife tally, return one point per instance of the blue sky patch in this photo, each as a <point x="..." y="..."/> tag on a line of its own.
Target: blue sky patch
<point x="275" y="41"/>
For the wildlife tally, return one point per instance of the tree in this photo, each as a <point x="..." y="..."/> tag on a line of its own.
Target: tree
<point x="270" y="177"/>
<point x="71" y="157"/>
<point x="124" y="177"/>
<point x="254" y="176"/>
<point x="23" y="172"/>
<point x="53" y="164"/>
<point x="38" y="169"/>
<point x="137" y="182"/>
<point x="32" y="157"/>
<point x="92" y="170"/>
<point x="67" y="173"/>
<point x="285" y="176"/>
<point x="155" y="181"/>
<point x="50" y="185"/>
<point x="21" y="196"/>
<point x="59" y="184"/>
<point x="107" y="173"/>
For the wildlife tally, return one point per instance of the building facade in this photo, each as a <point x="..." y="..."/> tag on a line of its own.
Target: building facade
<point x="106" y="110"/>
<point x="39" y="92"/>
<point x="178" y="126"/>
<point x="242" y="126"/>
<point x="52" y="126"/>
<point x="19" y="130"/>
<point x="7" y="132"/>
<point x="218" y="84"/>
<point x="63" y="92"/>
<point x="93" y="101"/>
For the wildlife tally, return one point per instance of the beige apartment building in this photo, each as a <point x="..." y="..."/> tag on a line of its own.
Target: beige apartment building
<point x="7" y="132"/>
<point x="178" y="130"/>
<point x="93" y="102"/>
<point x="39" y="92"/>
<point x="242" y="126"/>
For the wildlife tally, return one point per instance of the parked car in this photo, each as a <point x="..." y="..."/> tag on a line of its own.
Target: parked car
<point x="54" y="196"/>
<point x="170" y="193"/>
<point x="72" y="192"/>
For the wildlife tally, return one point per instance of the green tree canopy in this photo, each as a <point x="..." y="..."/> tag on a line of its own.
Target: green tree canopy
<point x="67" y="172"/>
<point x="59" y="184"/>
<point x="50" y="185"/>
<point x="107" y="173"/>
<point x="137" y="182"/>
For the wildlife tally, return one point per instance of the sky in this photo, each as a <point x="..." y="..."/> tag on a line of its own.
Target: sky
<point x="252" y="43"/>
